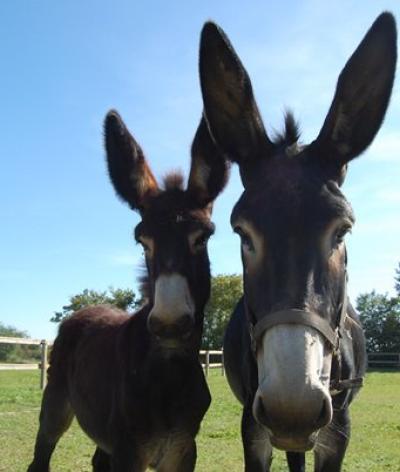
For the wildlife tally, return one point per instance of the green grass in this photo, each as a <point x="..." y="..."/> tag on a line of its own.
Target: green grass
<point x="375" y="444"/>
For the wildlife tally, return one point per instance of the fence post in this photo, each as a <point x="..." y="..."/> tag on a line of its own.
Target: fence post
<point x="207" y="362"/>
<point x="43" y="363"/>
<point x="222" y="363"/>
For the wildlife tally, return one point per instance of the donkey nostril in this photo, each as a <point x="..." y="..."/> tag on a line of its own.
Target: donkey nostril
<point x="154" y="325"/>
<point x="185" y="324"/>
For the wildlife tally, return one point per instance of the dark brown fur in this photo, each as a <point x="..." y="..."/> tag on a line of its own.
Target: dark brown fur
<point x="139" y="399"/>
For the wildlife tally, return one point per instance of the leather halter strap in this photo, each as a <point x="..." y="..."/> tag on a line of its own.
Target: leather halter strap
<point x="293" y="316"/>
<point x="303" y="317"/>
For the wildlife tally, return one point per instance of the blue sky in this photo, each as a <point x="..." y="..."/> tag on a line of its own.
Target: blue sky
<point x="64" y="64"/>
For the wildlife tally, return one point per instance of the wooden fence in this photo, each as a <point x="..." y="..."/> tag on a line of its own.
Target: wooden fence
<point x="43" y="343"/>
<point x="207" y="358"/>
<point x="384" y="359"/>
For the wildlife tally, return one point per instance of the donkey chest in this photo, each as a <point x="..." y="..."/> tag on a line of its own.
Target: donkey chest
<point x="162" y="446"/>
<point x="166" y="409"/>
<point x="169" y="402"/>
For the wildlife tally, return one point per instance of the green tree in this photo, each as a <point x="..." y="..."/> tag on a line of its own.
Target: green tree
<point x="125" y="299"/>
<point x="226" y="291"/>
<point x="380" y="315"/>
<point x="397" y="280"/>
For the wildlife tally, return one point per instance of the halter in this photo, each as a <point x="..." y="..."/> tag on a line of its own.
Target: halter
<point x="311" y="319"/>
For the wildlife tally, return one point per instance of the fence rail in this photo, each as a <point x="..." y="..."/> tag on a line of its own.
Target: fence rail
<point x="20" y="366"/>
<point x="375" y="359"/>
<point x="384" y="359"/>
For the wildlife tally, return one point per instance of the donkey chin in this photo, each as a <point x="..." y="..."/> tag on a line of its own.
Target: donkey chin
<point x="293" y="400"/>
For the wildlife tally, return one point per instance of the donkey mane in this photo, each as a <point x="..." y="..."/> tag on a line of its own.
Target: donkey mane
<point x="173" y="181"/>
<point x="291" y="133"/>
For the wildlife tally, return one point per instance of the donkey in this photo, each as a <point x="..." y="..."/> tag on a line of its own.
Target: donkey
<point x="294" y="347"/>
<point x="135" y="383"/>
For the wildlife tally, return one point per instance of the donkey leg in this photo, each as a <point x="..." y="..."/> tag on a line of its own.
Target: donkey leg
<point x="55" y="418"/>
<point x="181" y="457"/>
<point x="296" y="461"/>
<point x="126" y="457"/>
<point x="101" y="461"/>
<point x="256" y="444"/>
<point x="332" y="443"/>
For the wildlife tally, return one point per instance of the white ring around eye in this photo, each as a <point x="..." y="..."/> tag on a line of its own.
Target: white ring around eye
<point x="196" y="241"/>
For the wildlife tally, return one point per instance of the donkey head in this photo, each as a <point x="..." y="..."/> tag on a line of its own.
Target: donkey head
<point x="174" y="228"/>
<point x="292" y="219"/>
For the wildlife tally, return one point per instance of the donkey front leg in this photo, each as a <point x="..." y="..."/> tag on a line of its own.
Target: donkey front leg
<point x="332" y="443"/>
<point x="256" y="444"/>
<point x="180" y="457"/>
<point x="101" y="461"/>
<point x="55" y="418"/>
<point x="126" y="457"/>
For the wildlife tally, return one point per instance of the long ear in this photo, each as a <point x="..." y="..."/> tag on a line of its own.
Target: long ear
<point x="229" y="104"/>
<point x="361" y="99"/>
<point x="129" y="172"/>
<point x="209" y="169"/>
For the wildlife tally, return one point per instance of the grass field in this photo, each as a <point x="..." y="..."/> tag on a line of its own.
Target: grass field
<point x="375" y="444"/>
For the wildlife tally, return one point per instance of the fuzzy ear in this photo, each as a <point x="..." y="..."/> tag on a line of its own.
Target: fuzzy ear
<point x="229" y="104"/>
<point x="209" y="169"/>
<point x="361" y="98"/>
<point x="129" y="172"/>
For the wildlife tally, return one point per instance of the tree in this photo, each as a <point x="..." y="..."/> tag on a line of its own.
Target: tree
<point x="380" y="315"/>
<point x="125" y="299"/>
<point x="397" y="280"/>
<point x="226" y="291"/>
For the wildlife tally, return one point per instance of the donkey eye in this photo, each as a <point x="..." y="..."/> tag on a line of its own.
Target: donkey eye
<point x="198" y="239"/>
<point x="147" y="245"/>
<point x="247" y="243"/>
<point x="201" y="241"/>
<point x="341" y="233"/>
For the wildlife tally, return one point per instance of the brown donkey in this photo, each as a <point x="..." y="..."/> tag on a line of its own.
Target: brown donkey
<point x="294" y="348"/>
<point x="134" y="383"/>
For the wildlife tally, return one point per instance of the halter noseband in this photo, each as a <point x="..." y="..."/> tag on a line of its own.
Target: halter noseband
<point x="308" y="318"/>
<point x="294" y="316"/>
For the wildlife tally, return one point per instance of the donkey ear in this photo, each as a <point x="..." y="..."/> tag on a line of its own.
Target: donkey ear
<point x="129" y="172"/>
<point x="229" y="104"/>
<point x="209" y="169"/>
<point x="361" y="98"/>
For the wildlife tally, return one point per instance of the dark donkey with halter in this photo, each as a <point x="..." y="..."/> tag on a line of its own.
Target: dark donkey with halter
<point x="135" y="383"/>
<point x="294" y="348"/>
